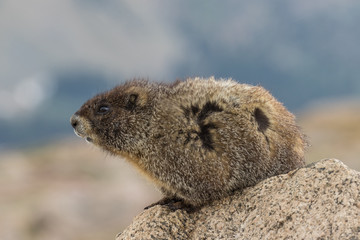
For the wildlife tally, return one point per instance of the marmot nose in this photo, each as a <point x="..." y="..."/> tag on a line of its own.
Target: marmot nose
<point x="74" y="120"/>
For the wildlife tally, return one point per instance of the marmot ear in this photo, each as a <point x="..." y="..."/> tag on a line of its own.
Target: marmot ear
<point x="133" y="98"/>
<point x="136" y="97"/>
<point x="261" y="119"/>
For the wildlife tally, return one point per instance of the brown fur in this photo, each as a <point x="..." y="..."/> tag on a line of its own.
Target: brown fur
<point x="197" y="140"/>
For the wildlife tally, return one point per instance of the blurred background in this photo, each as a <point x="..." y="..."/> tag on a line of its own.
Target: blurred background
<point x="54" y="55"/>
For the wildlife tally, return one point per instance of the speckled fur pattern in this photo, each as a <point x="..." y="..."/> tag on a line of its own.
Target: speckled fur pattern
<point x="197" y="140"/>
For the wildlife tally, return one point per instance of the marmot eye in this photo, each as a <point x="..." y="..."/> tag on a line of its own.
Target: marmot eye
<point x="103" y="109"/>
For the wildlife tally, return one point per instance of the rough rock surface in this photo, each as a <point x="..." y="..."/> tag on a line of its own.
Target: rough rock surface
<point x="320" y="201"/>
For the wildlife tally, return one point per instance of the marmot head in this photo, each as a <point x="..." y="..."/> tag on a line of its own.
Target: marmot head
<point x="115" y="120"/>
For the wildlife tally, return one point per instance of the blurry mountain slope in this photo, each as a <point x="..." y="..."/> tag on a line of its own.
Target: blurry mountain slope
<point x="72" y="190"/>
<point x="68" y="190"/>
<point x="333" y="129"/>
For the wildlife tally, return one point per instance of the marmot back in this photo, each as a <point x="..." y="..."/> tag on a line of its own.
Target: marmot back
<point x="197" y="140"/>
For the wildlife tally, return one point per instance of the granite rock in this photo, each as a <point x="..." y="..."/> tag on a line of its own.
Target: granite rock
<point x="320" y="201"/>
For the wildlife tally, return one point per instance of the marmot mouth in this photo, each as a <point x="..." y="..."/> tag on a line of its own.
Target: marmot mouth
<point x="82" y="135"/>
<point x="79" y="134"/>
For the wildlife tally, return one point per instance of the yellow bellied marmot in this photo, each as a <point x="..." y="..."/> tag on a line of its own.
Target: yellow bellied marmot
<point x="197" y="140"/>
